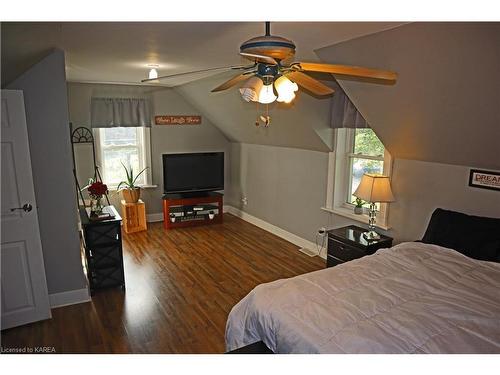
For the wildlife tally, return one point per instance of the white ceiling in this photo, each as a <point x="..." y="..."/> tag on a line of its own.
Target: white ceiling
<point x="119" y="52"/>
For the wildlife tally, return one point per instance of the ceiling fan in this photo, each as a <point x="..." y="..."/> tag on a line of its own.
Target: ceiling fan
<point x="270" y="55"/>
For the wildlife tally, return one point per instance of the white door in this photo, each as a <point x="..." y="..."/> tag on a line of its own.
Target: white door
<point x="24" y="287"/>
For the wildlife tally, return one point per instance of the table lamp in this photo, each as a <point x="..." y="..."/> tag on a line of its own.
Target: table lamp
<point x="374" y="188"/>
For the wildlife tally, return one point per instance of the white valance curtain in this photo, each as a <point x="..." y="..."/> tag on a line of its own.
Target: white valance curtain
<point x="125" y="112"/>
<point x="344" y="112"/>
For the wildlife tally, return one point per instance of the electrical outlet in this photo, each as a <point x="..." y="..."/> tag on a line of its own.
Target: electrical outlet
<point x="322" y="231"/>
<point x="244" y="200"/>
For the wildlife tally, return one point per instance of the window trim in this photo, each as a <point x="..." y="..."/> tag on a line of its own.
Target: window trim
<point x="145" y="140"/>
<point x="338" y="184"/>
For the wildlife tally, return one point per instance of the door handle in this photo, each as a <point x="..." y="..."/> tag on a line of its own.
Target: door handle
<point x="26" y="208"/>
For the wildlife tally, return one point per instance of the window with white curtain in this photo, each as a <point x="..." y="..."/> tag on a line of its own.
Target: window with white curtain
<point x="127" y="145"/>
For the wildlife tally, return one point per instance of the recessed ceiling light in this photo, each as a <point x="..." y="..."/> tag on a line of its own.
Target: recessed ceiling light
<point x="153" y="73"/>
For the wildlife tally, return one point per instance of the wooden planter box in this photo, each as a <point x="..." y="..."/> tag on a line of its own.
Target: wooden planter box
<point x="134" y="216"/>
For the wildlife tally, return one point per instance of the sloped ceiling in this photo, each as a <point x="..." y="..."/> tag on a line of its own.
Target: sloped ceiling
<point x="25" y="44"/>
<point x="119" y="52"/>
<point x="445" y="106"/>
<point x="302" y="124"/>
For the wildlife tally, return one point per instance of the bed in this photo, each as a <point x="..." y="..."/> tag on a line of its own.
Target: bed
<point x="415" y="297"/>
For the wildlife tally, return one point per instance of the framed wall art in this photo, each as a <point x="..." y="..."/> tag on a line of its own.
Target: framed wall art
<point x="484" y="179"/>
<point x="178" y="120"/>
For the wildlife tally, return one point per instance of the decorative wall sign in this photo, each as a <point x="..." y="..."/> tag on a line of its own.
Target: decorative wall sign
<point x="484" y="179"/>
<point x="177" y="120"/>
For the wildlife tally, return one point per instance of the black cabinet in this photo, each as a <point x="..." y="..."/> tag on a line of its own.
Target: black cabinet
<point x="102" y="242"/>
<point x="348" y="243"/>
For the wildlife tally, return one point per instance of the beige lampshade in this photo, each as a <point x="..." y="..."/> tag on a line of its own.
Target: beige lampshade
<point x="251" y="89"/>
<point x="375" y="188"/>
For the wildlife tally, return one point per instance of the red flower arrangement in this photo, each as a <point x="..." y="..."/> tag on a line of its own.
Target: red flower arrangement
<point x="97" y="190"/>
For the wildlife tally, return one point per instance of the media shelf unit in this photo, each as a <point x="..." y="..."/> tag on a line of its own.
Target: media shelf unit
<point x="186" y="210"/>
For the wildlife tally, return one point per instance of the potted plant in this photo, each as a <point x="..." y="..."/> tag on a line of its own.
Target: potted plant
<point x="358" y="208"/>
<point x="130" y="192"/>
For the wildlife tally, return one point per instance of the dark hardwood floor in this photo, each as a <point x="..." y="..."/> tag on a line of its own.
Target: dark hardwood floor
<point x="180" y="286"/>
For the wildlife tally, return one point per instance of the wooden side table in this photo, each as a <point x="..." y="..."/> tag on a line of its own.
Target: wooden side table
<point x="134" y="216"/>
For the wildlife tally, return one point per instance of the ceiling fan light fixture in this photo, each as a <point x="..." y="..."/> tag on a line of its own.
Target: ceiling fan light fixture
<point x="286" y="98"/>
<point x="251" y="89"/>
<point x="285" y="89"/>
<point x="266" y="94"/>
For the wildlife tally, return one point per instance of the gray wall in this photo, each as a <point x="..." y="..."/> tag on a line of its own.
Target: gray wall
<point x="283" y="186"/>
<point x="304" y="123"/>
<point x="164" y="139"/>
<point x="45" y="97"/>
<point x="420" y="187"/>
<point x="444" y="106"/>
<point x="286" y="187"/>
<point x="24" y="44"/>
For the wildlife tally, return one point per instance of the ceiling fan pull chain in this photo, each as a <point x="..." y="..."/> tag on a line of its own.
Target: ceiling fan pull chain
<point x="257" y="123"/>
<point x="267" y="119"/>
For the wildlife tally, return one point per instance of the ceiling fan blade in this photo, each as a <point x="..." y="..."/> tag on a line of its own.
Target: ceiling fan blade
<point x="347" y="70"/>
<point x="231" y="82"/>
<point x="260" y="58"/>
<point x="235" y="67"/>
<point x="310" y="84"/>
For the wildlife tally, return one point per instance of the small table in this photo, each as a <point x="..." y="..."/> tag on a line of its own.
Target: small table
<point x="348" y="243"/>
<point x="134" y="216"/>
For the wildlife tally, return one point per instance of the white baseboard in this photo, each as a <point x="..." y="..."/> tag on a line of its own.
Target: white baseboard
<point x="71" y="297"/>
<point x="290" y="237"/>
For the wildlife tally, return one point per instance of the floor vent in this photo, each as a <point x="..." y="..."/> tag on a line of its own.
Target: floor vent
<point x="309" y="252"/>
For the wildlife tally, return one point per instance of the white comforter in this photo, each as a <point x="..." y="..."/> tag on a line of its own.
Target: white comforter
<point x="412" y="298"/>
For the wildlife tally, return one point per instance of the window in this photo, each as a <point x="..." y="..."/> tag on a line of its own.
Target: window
<point x="357" y="151"/>
<point x="366" y="156"/>
<point x="130" y="146"/>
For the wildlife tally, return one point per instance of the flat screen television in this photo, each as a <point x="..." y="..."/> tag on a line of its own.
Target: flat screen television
<point x="193" y="172"/>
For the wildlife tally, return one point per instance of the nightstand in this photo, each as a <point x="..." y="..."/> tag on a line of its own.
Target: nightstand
<point x="348" y="243"/>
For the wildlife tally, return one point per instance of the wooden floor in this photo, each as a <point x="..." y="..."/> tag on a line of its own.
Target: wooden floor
<point x="180" y="286"/>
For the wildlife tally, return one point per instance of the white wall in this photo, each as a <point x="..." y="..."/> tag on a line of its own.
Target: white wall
<point x="286" y="187"/>
<point x="164" y="139"/>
